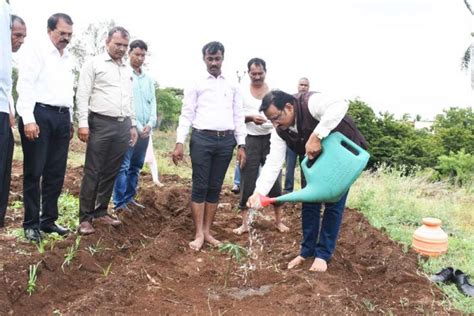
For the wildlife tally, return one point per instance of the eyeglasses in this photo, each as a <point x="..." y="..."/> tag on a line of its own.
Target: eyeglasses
<point x="63" y="34"/>
<point x="277" y="117"/>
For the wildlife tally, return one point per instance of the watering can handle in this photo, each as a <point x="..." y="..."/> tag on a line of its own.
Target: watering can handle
<point x="349" y="144"/>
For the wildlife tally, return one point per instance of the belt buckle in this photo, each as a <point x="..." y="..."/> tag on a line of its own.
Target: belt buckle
<point x="120" y="119"/>
<point x="220" y="133"/>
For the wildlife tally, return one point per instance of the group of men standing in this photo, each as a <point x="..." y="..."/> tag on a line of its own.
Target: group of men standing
<point x="116" y="110"/>
<point x="275" y="121"/>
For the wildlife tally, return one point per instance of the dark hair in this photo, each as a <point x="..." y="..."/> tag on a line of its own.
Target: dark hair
<point x="119" y="29"/>
<point x="278" y="98"/>
<point x="53" y="20"/>
<point x="138" y="43"/>
<point x="212" y="48"/>
<point x="258" y="62"/>
<point x="17" y="18"/>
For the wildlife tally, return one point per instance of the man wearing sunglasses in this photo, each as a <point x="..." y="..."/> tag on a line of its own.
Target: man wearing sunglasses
<point x="301" y="122"/>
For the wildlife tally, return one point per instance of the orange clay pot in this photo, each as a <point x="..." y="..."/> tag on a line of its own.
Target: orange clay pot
<point x="430" y="239"/>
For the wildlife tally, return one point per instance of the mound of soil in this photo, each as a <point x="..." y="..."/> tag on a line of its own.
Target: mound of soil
<point x="146" y="267"/>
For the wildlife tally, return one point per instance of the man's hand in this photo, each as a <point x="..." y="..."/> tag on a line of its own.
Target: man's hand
<point x="241" y="157"/>
<point x="32" y="131"/>
<point x="12" y="120"/>
<point x="259" y="120"/>
<point x="133" y="136"/>
<point x="83" y="134"/>
<point x="178" y="153"/>
<point x="146" y="132"/>
<point x="71" y="133"/>
<point x="313" y="146"/>
<point x="254" y="201"/>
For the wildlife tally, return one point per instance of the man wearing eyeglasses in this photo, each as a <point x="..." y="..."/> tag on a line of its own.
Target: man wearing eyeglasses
<point x="45" y="89"/>
<point x="301" y="122"/>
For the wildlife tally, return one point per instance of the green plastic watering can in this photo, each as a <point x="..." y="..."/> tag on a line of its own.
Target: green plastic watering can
<point x="339" y="165"/>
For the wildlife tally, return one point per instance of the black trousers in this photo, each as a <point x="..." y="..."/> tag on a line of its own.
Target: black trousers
<point x="210" y="158"/>
<point x="107" y="145"/>
<point x="6" y="154"/>
<point x="257" y="149"/>
<point x="44" y="159"/>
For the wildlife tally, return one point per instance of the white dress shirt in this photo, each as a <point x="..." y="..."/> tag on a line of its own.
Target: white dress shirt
<point x="251" y="107"/>
<point x="44" y="76"/>
<point x="328" y="112"/>
<point x="5" y="56"/>
<point x="214" y="104"/>
<point x="105" y="88"/>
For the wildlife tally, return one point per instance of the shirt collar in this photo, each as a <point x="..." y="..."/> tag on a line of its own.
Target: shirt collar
<point x="106" y="57"/>
<point x="209" y="76"/>
<point x="50" y="48"/>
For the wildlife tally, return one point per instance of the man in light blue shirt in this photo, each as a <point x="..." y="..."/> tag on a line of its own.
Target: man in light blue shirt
<point x="6" y="135"/>
<point x="145" y="110"/>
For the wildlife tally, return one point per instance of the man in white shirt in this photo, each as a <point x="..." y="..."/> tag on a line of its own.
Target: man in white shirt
<point x="107" y="124"/>
<point x="18" y="34"/>
<point x="45" y="89"/>
<point x="6" y="135"/>
<point x="257" y="142"/>
<point x="213" y="108"/>
<point x="301" y="122"/>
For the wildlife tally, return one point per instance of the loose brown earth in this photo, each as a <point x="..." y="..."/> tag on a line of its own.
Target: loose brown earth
<point x="153" y="271"/>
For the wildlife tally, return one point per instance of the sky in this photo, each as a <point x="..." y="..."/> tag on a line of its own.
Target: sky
<point x="400" y="56"/>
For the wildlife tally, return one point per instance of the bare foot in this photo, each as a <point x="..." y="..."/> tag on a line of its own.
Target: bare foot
<point x="295" y="262"/>
<point x="282" y="228"/>
<point x="196" y="244"/>
<point x="242" y="229"/>
<point x="319" y="265"/>
<point x="210" y="239"/>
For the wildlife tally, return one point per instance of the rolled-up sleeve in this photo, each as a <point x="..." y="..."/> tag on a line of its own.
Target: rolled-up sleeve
<point x="328" y="112"/>
<point x="84" y="91"/>
<point x="188" y="112"/>
<point x="240" y="131"/>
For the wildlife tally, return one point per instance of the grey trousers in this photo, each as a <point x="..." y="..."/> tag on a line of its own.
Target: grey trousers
<point x="107" y="145"/>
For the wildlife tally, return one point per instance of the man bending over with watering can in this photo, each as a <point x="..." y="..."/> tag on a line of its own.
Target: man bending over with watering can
<point x="301" y="122"/>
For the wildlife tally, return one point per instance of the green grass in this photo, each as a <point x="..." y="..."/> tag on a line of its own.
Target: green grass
<point x="397" y="203"/>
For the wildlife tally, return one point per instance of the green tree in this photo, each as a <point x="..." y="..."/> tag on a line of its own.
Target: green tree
<point x="455" y="130"/>
<point x="169" y="102"/>
<point x="458" y="167"/>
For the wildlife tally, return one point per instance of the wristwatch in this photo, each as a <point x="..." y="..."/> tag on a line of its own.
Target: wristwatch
<point x="241" y="146"/>
<point x="318" y="135"/>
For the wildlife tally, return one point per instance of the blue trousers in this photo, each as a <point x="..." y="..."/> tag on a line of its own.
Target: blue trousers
<point x="320" y="243"/>
<point x="127" y="179"/>
<point x="237" y="174"/>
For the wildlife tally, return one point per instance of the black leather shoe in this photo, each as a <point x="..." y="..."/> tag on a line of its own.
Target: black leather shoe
<point x="33" y="234"/>
<point x="462" y="283"/>
<point x="235" y="189"/>
<point x="53" y="228"/>
<point x="444" y="276"/>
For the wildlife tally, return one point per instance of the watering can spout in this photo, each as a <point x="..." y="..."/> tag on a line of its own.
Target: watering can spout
<point x="339" y="165"/>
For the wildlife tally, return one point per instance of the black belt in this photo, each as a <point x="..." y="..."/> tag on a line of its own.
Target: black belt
<point x="216" y="133"/>
<point x="110" y="118"/>
<point x="59" y="109"/>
